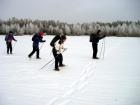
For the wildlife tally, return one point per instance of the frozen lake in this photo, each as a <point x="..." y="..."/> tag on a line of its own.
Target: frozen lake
<point x="112" y="80"/>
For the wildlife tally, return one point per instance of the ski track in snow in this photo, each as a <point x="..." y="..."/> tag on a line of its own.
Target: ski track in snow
<point x="76" y="86"/>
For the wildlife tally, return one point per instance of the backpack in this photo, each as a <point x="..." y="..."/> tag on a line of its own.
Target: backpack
<point x="91" y="38"/>
<point x="56" y="38"/>
<point x="33" y="38"/>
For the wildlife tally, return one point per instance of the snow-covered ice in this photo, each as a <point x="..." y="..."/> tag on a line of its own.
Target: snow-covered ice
<point x="112" y="80"/>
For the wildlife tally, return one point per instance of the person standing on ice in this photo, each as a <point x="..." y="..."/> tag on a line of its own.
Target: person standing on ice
<point x="58" y="48"/>
<point x="94" y="38"/>
<point x="8" y="38"/>
<point x="36" y="39"/>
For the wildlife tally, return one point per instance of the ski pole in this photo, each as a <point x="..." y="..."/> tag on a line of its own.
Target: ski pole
<point x="63" y="51"/>
<point x="104" y="48"/>
<point x="14" y="45"/>
<point x="51" y="60"/>
<point x="101" y="49"/>
<point x="47" y="63"/>
<point x="41" y="46"/>
<point x="51" y="63"/>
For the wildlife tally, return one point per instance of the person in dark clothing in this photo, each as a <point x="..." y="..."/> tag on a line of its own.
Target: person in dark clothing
<point x="58" y="48"/>
<point x="94" y="38"/>
<point x="8" y="38"/>
<point x="36" y="39"/>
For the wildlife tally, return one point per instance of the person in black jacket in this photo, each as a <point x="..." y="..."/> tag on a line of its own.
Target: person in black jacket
<point x="8" y="38"/>
<point x="57" y="50"/>
<point x="94" y="38"/>
<point x="36" y="39"/>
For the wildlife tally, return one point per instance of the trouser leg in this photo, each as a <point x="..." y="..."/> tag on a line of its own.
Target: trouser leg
<point x="37" y="53"/>
<point x="33" y="51"/>
<point x="56" y="56"/>
<point x="10" y="47"/>
<point x="7" y="44"/>
<point x="95" y="50"/>
<point x="60" y="59"/>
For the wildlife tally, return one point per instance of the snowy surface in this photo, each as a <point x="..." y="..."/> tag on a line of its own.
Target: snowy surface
<point x="112" y="80"/>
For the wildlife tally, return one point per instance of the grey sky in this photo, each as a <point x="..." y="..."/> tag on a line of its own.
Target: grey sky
<point x="71" y="11"/>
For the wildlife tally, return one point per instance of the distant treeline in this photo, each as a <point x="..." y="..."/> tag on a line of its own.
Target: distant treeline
<point x="51" y="27"/>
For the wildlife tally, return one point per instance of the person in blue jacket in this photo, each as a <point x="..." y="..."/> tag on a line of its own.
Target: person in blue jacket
<point x="36" y="39"/>
<point x="8" y="38"/>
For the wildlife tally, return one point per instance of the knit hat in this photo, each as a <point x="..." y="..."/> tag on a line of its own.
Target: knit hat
<point x="41" y="34"/>
<point x="63" y="37"/>
<point x="11" y="32"/>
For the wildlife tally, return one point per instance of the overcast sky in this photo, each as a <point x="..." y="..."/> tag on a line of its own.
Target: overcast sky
<point x="71" y="11"/>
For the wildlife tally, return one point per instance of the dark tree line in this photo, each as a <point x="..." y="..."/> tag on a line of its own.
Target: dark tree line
<point x="51" y="27"/>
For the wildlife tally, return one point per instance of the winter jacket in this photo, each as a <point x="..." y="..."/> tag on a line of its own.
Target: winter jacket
<point x="36" y="39"/>
<point x="58" y="44"/>
<point x="94" y="38"/>
<point x="59" y="47"/>
<point x="9" y="38"/>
